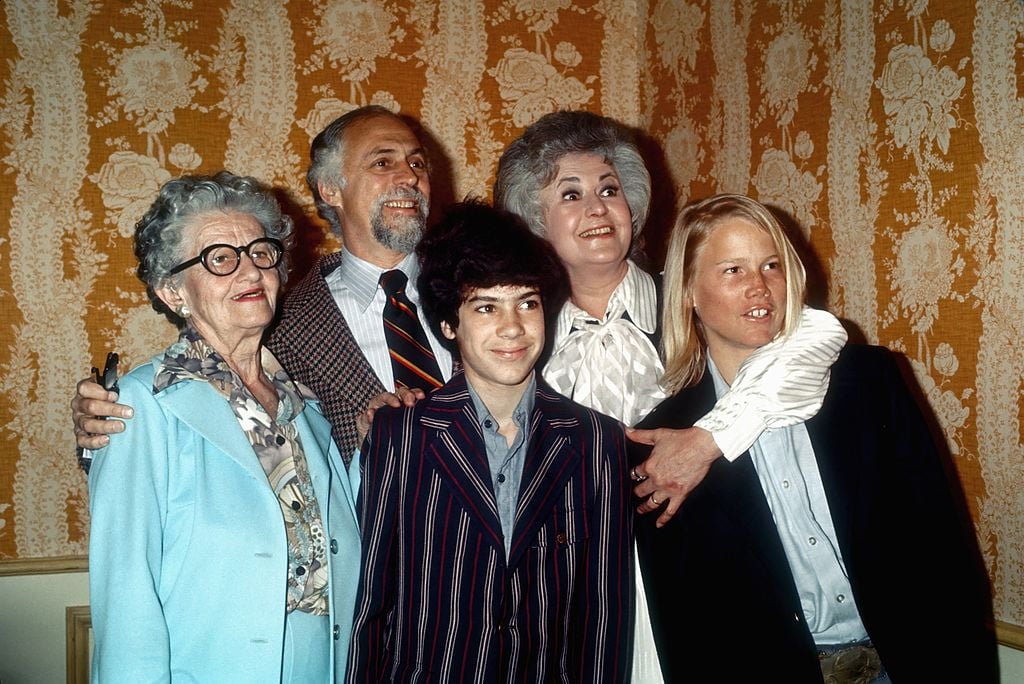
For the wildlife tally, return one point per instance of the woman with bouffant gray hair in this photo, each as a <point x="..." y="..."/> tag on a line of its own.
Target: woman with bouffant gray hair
<point x="223" y="541"/>
<point x="578" y="179"/>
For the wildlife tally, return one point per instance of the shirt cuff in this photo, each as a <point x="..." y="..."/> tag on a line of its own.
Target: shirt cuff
<point x="735" y="438"/>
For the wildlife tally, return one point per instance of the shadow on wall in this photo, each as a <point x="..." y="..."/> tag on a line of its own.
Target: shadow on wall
<point x="653" y="240"/>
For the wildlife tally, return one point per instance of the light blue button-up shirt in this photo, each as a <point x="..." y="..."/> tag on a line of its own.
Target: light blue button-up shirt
<point x="789" y="475"/>
<point x="506" y="462"/>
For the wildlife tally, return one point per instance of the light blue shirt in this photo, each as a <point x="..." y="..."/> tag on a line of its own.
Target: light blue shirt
<point x="355" y="287"/>
<point x="785" y="464"/>
<point x="506" y="462"/>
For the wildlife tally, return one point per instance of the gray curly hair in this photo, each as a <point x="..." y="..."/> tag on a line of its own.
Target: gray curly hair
<point x="530" y="163"/>
<point x="159" y="235"/>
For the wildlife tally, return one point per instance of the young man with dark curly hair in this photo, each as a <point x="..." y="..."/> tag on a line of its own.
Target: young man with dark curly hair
<point x="496" y="514"/>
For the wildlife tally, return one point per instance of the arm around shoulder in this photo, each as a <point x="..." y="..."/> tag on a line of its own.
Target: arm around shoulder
<point x="781" y="384"/>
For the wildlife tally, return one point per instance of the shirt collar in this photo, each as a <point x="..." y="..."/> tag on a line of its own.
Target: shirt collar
<point x="192" y="358"/>
<point x="521" y="414"/>
<point x="721" y="386"/>
<point x="636" y="296"/>
<point x="361" y="278"/>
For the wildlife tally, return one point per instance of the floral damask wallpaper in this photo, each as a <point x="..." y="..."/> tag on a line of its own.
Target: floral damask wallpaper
<point x="891" y="131"/>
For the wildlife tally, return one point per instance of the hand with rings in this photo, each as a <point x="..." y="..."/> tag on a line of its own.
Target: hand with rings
<point x="677" y="463"/>
<point x="637" y="479"/>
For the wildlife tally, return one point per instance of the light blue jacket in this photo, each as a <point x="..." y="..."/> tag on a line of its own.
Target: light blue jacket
<point x="187" y="550"/>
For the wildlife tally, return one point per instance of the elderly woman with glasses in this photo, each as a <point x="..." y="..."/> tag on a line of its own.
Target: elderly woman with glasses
<point x="224" y="544"/>
<point x="578" y="179"/>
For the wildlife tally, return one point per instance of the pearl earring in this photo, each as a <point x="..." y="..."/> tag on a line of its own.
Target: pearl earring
<point x="184" y="311"/>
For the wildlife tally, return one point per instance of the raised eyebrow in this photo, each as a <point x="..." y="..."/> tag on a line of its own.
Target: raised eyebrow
<point x="576" y="179"/>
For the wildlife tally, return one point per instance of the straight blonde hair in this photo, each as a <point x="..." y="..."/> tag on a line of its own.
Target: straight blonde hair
<point x="683" y="343"/>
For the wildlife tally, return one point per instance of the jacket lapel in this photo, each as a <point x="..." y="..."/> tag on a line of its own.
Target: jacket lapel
<point x="740" y="494"/>
<point x="839" y="449"/>
<point x="455" y="448"/>
<point x="315" y="344"/>
<point x="326" y="469"/>
<point x="198" y="405"/>
<point x="552" y="457"/>
<point x="736" y="489"/>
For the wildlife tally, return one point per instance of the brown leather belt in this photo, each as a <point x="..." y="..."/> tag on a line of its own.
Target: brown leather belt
<point x="856" y="664"/>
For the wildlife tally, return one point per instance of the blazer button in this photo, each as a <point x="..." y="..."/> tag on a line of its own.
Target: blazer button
<point x="334" y="546"/>
<point x="560" y="537"/>
<point x="337" y="632"/>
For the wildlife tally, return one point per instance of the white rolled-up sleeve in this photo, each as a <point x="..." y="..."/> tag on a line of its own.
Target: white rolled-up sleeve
<point x="782" y="383"/>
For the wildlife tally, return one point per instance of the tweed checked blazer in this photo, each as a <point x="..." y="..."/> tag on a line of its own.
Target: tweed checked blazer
<point x="440" y="602"/>
<point x="314" y="343"/>
<point x="719" y="566"/>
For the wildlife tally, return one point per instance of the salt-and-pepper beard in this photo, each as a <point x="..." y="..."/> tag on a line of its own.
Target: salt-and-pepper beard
<point x="404" y="232"/>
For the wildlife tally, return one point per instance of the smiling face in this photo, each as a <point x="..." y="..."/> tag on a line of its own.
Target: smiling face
<point x="384" y="203"/>
<point x="225" y="309"/>
<point x="738" y="292"/>
<point x="586" y="216"/>
<point x="500" y="336"/>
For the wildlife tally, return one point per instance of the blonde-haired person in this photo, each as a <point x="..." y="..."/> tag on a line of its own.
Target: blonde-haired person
<point x="832" y="549"/>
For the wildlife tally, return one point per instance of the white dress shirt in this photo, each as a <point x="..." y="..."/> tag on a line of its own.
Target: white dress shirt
<point x="355" y="286"/>
<point x="610" y="364"/>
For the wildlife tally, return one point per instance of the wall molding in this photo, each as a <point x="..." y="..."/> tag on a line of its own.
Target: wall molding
<point x="1010" y="635"/>
<point x="44" y="566"/>
<point x="78" y="624"/>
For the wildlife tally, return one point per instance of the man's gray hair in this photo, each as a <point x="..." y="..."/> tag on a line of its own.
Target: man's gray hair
<point x="326" y="157"/>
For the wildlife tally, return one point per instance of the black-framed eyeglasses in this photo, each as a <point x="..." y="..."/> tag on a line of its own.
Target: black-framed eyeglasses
<point x="223" y="260"/>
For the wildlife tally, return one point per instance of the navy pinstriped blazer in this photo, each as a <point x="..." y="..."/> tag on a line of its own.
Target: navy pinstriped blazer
<point x="314" y="343"/>
<point x="438" y="600"/>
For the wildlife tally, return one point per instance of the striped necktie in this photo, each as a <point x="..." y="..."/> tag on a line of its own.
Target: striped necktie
<point x="412" y="360"/>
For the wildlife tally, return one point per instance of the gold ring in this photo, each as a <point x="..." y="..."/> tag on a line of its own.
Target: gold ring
<point x="655" y="501"/>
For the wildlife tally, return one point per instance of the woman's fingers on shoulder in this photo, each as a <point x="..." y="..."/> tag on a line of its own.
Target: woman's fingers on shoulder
<point x="95" y="426"/>
<point x="642" y="436"/>
<point x="97" y="411"/>
<point x="87" y="388"/>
